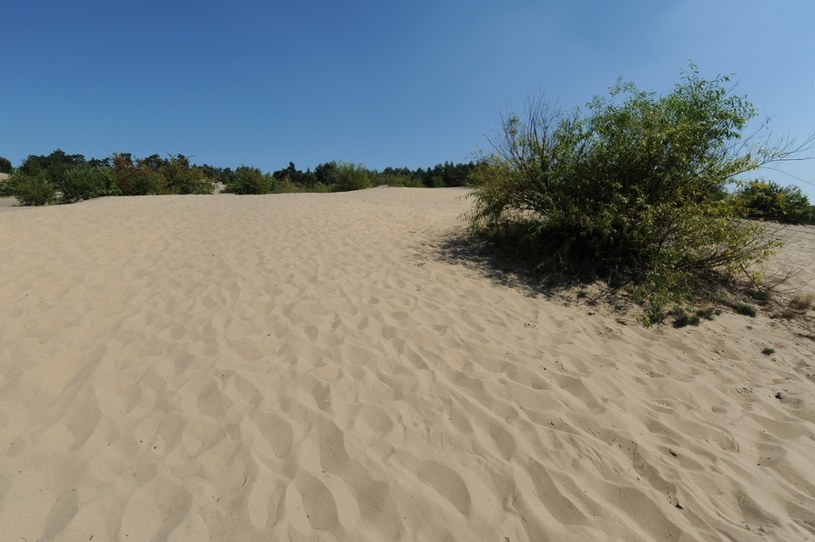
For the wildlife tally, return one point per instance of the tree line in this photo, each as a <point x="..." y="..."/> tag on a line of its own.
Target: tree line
<point x="66" y="178"/>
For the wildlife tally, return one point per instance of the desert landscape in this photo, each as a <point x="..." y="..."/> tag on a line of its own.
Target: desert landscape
<point x="321" y="367"/>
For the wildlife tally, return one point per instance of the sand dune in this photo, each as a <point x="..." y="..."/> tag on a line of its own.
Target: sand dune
<point x="312" y="367"/>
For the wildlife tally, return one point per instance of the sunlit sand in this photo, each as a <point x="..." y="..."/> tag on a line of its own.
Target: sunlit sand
<point x="312" y="367"/>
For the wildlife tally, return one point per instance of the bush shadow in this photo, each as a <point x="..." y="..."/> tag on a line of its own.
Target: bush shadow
<point x="505" y="268"/>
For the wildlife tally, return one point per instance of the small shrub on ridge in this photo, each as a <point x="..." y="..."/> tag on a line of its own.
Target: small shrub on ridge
<point x="86" y="182"/>
<point x="247" y="180"/>
<point x="32" y="190"/>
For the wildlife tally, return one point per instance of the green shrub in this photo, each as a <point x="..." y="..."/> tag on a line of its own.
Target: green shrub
<point x="247" y="180"/>
<point x="745" y="309"/>
<point x="765" y="200"/>
<point x="634" y="190"/>
<point x="185" y="179"/>
<point x="286" y="186"/>
<point x="5" y="165"/>
<point x="682" y="318"/>
<point x="347" y="176"/>
<point x="6" y="188"/>
<point x="136" y="179"/>
<point x="143" y="182"/>
<point x="32" y="189"/>
<point x="86" y="182"/>
<point x="708" y="313"/>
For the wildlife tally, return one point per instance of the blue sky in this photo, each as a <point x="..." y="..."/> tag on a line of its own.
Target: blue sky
<point x="262" y="83"/>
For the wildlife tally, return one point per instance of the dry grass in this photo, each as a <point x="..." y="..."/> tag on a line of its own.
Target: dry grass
<point x="802" y="302"/>
<point x="798" y="305"/>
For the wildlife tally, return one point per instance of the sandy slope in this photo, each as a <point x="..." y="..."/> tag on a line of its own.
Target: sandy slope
<point x="312" y="367"/>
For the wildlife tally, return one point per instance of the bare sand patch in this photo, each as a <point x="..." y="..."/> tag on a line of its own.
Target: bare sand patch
<point x="301" y="367"/>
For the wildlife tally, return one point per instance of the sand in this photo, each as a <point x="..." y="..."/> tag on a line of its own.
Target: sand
<point x="318" y="367"/>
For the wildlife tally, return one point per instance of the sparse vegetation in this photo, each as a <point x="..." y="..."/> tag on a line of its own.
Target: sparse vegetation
<point x="767" y="351"/>
<point x="683" y="319"/>
<point x="708" y="313"/>
<point x="797" y="306"/>
<point x="745" y="309"/>
<point x="689" y="317"/>
<point x="802" y="302"/>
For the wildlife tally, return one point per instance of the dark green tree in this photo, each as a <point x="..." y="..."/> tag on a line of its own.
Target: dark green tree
<point x="218" y="174"/>
<point x="154" y="162"/>
<point x="52" y="167"/>
<point x="324" y="173"/>
<point x="349" y="176"/>
<point x="300" y="179"/>
<point x="446" y="175"/>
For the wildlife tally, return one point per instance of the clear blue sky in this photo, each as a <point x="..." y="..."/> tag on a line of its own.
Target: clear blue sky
<point x="382" y="82"/>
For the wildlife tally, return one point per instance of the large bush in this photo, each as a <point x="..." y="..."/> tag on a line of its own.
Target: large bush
<point x="138" y="179"/>
<point x="765" y="200"/>
<point x="86" y="182"/>
<point x="248" y="180"/>
<point x="5" y="165"/>
<point x="182" y="178"/>
<point x="348" y="176"/>
<point x="32" y="189"/>
<point x="634" y="189"/>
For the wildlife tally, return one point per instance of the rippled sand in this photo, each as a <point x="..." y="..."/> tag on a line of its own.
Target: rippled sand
<point x="315" y="367"/>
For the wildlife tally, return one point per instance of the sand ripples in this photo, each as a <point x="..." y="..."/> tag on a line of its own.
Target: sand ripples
<point x="287" y="368"/>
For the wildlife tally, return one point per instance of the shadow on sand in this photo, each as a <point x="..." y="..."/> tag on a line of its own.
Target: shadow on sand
<point x="501" y="267"/>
